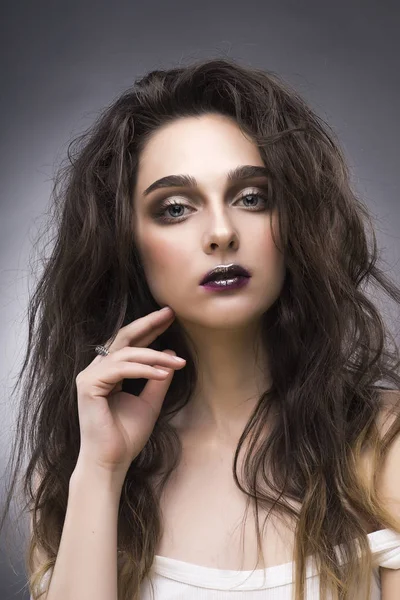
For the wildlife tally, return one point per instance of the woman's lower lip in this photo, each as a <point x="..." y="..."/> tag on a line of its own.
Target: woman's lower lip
<point x="228" y="284"/>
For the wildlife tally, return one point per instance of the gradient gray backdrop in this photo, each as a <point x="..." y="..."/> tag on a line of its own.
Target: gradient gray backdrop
<point x="64" y="61"/>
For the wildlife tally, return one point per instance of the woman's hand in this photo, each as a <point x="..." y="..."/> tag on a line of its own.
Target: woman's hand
<point x="115" y="425"/>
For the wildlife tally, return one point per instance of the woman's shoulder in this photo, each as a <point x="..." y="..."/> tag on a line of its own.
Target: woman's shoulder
<point x="389" y="414"/>
<point x="389" y="486"/>
<point x="388" y="410"/>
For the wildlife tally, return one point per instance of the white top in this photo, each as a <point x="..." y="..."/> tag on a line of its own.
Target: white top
<point x="173" y="579"/>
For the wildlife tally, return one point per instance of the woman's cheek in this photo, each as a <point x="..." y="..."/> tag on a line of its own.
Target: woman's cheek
<point x="163" y="264"/>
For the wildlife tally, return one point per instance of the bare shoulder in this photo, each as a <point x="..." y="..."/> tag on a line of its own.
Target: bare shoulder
<point x="389" y="484"/>
<point x="389" y="412"/>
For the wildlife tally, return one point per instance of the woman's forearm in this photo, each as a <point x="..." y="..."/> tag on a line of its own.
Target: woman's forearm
<point x="86" y="564"/>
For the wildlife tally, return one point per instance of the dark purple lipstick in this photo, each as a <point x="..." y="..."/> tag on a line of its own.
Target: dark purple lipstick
<point x="226" y="277"/>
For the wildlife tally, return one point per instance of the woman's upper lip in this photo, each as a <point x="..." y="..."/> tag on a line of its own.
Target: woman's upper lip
<point x="231" y="269"/>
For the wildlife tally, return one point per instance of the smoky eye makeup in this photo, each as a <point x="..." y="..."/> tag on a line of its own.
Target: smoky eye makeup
<point x="169" y="196"/>
<point x="258" y="198"/>
<point x="193" y="197"/>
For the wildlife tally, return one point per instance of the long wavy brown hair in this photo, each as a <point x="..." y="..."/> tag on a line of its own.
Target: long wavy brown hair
<point x="330" y="346"/>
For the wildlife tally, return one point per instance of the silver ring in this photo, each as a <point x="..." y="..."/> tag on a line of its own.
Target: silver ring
<point x="102" y="350"/>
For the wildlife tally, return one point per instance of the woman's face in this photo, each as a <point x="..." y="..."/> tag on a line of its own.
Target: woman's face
<point x="212" y="225"/>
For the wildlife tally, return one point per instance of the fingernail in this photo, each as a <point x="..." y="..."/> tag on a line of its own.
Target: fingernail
<point x="165" y="309"/>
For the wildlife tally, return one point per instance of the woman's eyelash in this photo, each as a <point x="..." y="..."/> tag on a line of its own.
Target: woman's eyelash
<point x="160" y="214"/>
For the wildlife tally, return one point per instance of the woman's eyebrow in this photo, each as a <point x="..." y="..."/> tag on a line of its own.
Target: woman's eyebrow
<point x="235" y="175"/>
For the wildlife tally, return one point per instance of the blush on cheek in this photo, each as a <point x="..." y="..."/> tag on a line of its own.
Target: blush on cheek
<point x="162" y="263"/>
<point x="161" y="257"/>
<point x="168" y="252"/>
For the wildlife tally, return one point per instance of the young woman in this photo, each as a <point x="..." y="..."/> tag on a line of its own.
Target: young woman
<point x="214" y="193"/>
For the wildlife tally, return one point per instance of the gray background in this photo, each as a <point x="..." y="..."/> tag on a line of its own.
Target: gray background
<point x="63" y="62"/>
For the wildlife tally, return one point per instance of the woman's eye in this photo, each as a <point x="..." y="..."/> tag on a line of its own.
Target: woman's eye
<point x="173" y="214"/>
<point x="253" y="195"/>
<point x="175" y="209"/>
